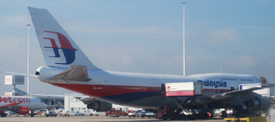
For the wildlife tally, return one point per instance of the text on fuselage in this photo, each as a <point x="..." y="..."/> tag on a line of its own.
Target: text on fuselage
<point x="14" y="100"/>
<point x="216" y="84"/>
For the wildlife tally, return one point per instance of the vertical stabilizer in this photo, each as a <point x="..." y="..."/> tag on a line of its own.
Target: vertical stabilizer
<point x="20" y="92"/>
<point x="58" y="48"/>
<point x="264" y="82"/>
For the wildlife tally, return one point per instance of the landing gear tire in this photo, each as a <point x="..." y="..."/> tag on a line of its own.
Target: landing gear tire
<point x="156" y="116"/>
<point x="32" y="113"/>
<point x="182" y="117"/>
<point x="3" y="115"/>
<point x="164" y="117"/>
<point x="224" y="114"/>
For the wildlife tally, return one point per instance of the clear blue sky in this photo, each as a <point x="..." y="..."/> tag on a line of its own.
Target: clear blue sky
<point x="145" y="36"/>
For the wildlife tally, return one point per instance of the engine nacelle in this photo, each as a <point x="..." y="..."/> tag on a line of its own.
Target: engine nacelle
<point x="254" y="103"/>
<point x="259" y="103"/>
<point x="100" y="106"/>
<point x="21" y="110"/>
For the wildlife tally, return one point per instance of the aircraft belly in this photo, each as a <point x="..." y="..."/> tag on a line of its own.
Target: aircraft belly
<point x="112" y="93"/>
<point x="153" y="103"/>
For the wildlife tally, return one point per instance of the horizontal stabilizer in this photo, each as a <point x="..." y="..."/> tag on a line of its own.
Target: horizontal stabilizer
<point x="20" y="92"/>
<point x="75" y="73"/>
<point x="16" y="73"/>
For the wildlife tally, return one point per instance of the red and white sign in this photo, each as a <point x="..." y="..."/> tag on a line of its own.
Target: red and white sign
<point x="8" y="79"/>
<point x="14" y="79"/>
<point x="184" y="89"/>
<point x="8" y="93"/>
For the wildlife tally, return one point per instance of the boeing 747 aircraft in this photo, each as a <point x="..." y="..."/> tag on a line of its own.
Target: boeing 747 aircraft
<point x="68" y="67"/>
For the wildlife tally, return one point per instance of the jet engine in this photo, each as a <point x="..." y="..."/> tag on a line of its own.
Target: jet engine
<point x="259" y="103"/>
<point x="253" y="105"/>
<point x="21" y="110"/>
<point x="100" y="106"/>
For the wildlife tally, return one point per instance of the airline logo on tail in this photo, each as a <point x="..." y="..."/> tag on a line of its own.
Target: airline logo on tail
<point x="65" y="45"/>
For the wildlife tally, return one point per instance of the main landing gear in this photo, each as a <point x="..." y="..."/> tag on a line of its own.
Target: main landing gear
<point x="184" y="112"/>
<point x="3" y="115"/>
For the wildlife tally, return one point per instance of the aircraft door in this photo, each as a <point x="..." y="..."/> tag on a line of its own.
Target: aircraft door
<point x="34" y="102"/>
<point x="106" y="88"/>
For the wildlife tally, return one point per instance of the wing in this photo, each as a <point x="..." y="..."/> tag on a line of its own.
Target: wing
<point x="75" y="73"/>
<point x="224" y="96"/>
<point x="16" y="73"/>
<point x="233" y="93"/>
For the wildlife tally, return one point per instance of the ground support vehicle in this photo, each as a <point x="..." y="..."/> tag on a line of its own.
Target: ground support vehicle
<point x="116" y="113"/>
<point x="132" y="114"/>
<point x="65" y="113"/>
<point x="88" y="113"/>
<point x="50" y="113"/>
<point x="4" y="114"/>
<point x="165" y="113"/>
<point x="79" y="114"/>
<point x="135" y="114"/>
<point x="147" y="114"/>
<point x="189" y="90"/>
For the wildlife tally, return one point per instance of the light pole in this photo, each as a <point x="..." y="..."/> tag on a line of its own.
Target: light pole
<point x="183" y="35"/>
<point x="221" y="68"/>
<point x="28" y="61"/>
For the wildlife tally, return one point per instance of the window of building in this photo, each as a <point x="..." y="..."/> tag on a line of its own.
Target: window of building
<point x="72" y="99"/>
<point x="73" y="109"/>
<point x="77" y="109"/>
<point x="77" y="100"/>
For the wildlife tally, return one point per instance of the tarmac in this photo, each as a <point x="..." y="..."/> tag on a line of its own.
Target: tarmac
<point x="91" y="119"/>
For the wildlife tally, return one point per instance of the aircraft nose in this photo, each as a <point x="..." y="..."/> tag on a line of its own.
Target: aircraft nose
<point x="44" y="105"/>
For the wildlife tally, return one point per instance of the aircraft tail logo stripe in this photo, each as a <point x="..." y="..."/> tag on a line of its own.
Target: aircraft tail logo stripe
<point x="66" y="47"/>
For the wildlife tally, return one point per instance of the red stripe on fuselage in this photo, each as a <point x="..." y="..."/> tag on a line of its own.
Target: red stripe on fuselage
<point x="111" y="90"/>
<point x="105" y="90"/>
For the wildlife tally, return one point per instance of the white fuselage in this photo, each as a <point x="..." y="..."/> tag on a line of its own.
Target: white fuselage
<point x="141" y="90"/>
<point x="32" y="103"/>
